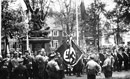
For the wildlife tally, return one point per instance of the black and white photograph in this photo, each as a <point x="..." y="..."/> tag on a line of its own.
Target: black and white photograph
<point x="65" y="39"/>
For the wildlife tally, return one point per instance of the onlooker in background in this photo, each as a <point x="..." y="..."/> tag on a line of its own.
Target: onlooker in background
<point x="115" y="65"/>
<point x="125" y="58"/>
<point x="120" y="59"/>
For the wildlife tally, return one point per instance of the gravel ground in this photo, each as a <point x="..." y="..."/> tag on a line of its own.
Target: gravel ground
<point x="116" y="75"/>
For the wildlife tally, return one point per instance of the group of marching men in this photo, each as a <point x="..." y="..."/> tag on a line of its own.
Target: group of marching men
<point x="40" y="66"/>
<point x="43" y="66"/>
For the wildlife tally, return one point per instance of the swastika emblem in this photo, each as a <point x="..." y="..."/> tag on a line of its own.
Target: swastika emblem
<point x="70" y="56"/>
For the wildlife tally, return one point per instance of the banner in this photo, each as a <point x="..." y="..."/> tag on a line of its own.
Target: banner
<point x="71" y="55"/>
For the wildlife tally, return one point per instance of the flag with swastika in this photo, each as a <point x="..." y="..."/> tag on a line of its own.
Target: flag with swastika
<point x="71" y="54"/>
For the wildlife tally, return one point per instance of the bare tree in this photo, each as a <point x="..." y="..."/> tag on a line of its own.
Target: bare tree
<point x="66" y="16"/>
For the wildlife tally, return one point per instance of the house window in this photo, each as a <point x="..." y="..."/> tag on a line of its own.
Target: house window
<point x="54" y="44"/>
<point x="55" y="33"/>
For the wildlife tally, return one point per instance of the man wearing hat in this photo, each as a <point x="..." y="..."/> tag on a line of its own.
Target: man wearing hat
<point x="42" y="60"/>
<point x="92" y="68"/>
<point x="107" y="65"/>
<point x="126" y="59"/>
<point x="3" y="68"/>
<point x="21" y="71"/>
<point x="120" y="59"/>
<point x="53" y="67"/>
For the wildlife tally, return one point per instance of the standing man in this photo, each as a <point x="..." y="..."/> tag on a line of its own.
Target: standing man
<point x="107" y="66"/>
<point x="59" y="60"/>
<point x="120" y="59"/>
<point x="115" y="64"/>
<point x="126" y="59"/>
<point x="53" y="68"/>
<point x="92" y="68"/>
<point x="44" y="63"/>
<point x="21" y="71"/>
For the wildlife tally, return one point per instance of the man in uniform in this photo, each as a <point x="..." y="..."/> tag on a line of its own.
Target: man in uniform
<point x="15" y="64"/>
<point x="59" y="60"/>
<point x="42" y="60"/>
<point x="126" y="59"/>
<point x="53" y="68"/>
<point x="107" y="65"/>
<point x="92" y="68"/>
<point x="21" y="71"/>
<point x="4" y="73"/>
<point x="101" y="57"/>
<point x="120" y="59"/>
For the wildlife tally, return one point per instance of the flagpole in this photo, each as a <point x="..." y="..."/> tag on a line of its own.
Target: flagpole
<point x="0" y="27"/>
<point x="77" y="23"/>
<point x="27" y="38"/>
<point x="70" y="42"/>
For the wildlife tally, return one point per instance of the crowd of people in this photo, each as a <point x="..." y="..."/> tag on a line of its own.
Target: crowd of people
<point x="17" y="65"/>
<point x="108" y="60"/>
<point x="26" y="66"/>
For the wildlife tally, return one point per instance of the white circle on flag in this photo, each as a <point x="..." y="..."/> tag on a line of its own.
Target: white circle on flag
<point x="70" y="55"/>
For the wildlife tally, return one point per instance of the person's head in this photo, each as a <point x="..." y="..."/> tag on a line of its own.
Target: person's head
<point x="15" y="54"/>
<point x="12" y="54"/>
<point x="43" y="52"/>
<point x="52" y="56"/>
<point x="120" y="50"/>
<point x="20" y="61"/>
<point x="8" y="55"/>
<point x="92" y="56"/>
<point x="20" y="54"/>
<point x="26" y="53"/>
<point x="108" y="55"/>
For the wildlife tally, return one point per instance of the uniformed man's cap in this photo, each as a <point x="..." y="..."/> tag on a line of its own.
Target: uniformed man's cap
<point x="42" y="50"/>
<point x="52" y="55"/>
<point x="108" y="54"/>
<point x="92" y="56"/>
<point x="20" y="60"/>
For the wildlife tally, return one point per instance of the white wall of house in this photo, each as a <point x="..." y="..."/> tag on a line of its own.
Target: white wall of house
<point x="108" y="42"/>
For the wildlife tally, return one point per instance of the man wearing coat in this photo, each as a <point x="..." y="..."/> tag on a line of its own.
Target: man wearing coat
<point x="92" y="68"/>
<point x="126" y="59"/>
